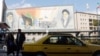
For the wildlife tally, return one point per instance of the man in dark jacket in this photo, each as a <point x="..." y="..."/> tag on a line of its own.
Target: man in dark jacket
<point x="19" y="41"/>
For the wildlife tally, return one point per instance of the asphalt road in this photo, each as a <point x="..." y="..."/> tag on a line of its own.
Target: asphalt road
<point x="3" y="53"/>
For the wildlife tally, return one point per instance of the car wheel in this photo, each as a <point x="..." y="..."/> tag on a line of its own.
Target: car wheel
<point x="97" y="54"/>
<point x="40" y="54"/>
<point x="24" y="54"/>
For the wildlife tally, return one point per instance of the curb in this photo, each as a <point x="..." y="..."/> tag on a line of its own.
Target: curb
<point x="2" y="51"/>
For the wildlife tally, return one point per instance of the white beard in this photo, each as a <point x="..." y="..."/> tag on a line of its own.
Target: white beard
<point x="64" y="23"/>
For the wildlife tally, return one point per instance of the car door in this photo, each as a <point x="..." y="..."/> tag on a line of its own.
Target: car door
<point x="53" y="46"/>
<point x="77" y="48"/>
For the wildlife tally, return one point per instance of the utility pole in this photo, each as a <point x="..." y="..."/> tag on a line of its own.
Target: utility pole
<point x="98" y="27"/>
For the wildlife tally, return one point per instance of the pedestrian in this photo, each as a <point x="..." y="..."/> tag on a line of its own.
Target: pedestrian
<point x="10" y="44"/>
<point x="19" y="41"/>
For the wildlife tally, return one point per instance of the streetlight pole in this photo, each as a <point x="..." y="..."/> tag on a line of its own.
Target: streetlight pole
<point x="98" y="26"/>
<point x="98" y="7"/>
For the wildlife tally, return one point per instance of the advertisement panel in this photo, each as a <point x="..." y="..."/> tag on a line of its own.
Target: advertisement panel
<point x="51" y="18"/>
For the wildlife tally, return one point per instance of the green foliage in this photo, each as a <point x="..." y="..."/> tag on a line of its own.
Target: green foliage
<point x="96" y="22"/>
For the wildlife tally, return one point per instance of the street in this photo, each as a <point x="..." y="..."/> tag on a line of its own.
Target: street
<point x="3" y="53"/>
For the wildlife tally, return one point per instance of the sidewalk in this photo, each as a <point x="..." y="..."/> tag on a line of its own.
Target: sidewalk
<point x="2" y="51"/>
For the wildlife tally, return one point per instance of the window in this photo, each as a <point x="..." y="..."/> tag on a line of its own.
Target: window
<point x="63" y="40"/>
<point x="90" y="24"/>
<point x="56" y="40"/>
<point x="94" y="28"/>
<point x="90" y="20"/>
<point x="74" y="41"/>
<point x="52" y="40"/>
<point x="91" y="28"/>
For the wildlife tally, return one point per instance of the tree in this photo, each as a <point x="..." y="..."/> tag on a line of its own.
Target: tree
<point x="96" y="22"/>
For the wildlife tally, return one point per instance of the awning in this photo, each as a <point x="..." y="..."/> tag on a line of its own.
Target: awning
<point x="4" y="25"/>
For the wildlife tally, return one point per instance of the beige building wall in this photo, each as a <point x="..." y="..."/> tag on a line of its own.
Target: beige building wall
<point x="85" y="22"/>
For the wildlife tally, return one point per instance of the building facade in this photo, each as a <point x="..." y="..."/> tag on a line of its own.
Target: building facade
<point x="87" y="21"/>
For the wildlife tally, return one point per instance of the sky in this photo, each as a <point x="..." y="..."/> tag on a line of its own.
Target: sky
<point x="79" y="5"/>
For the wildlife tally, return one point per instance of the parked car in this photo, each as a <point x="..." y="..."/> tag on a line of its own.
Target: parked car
<point x="60" y="45"/>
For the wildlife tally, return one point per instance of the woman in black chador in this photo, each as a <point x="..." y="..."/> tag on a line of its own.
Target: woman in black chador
<point x="10" y="44"/>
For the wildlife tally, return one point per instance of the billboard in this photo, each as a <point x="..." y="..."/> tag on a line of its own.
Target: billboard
<point x="54" y="17"/>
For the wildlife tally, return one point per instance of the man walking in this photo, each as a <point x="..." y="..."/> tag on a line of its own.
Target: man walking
<point x="19" y="41"/>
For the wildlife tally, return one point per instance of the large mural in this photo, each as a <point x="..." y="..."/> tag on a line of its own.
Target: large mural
<point x="56" y="17"/>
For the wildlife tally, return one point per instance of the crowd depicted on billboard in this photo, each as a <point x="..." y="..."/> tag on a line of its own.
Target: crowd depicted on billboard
<point x="54" y="17"/>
